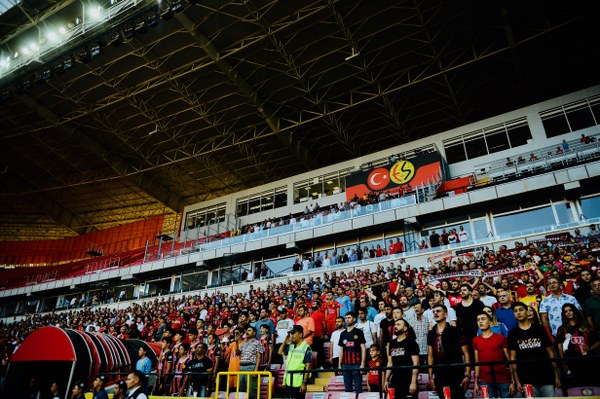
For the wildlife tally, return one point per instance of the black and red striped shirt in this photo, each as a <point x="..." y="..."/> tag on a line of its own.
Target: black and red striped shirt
<point x="351" y="342"/>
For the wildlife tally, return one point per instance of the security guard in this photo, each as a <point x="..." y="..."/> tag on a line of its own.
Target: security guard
<point x="299" y="357"/>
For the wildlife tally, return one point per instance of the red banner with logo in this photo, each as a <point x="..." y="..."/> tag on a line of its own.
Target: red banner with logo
<point x="403" y="175"/>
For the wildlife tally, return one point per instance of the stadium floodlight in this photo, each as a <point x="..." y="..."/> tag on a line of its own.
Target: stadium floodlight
<point x="95" y="13"/>
<point x="52" y="36"/>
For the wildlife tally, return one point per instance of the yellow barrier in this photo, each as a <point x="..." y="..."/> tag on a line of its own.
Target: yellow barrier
<point x="260" y="376"/>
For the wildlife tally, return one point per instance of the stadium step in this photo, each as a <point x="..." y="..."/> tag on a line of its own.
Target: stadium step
<point x="322" y="380"/>
<point x="326" y="374"/>
<point x="315" y="388"/>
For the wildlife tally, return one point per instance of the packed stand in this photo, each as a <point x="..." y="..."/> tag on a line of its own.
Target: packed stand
<point x="527" y="304"/>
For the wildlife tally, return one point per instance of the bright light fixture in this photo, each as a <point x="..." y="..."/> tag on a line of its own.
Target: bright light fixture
<point x="52" y="36"/>
<point x="95" y="12"/>
<point x="33" y="46"/>
<point x="62" y="30"/>
<point x="25" y="50"/>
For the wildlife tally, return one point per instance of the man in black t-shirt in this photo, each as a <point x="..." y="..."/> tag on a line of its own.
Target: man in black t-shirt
<point x="353" y="354"/>
<point x="404" y="351"/>
<point x="386" y="329"/>
<point x="528" y="341"/>
<point x="466" y="313"/>
<point x="434" y="239"/>
<point x="446" y="345"/>
<point x="201" y="364"/>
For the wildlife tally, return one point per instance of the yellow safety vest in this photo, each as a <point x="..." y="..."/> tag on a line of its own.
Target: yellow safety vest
<point x="295" y="362"/>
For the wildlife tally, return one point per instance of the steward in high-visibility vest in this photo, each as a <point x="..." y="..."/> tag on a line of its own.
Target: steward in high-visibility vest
<point x="299" y="357"/>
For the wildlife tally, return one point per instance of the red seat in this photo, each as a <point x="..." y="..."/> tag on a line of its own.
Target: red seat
<point x="342" y="395"/>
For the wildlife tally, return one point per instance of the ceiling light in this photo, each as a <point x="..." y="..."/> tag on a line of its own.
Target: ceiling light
<point x="68" y="63"/>
<point x="62" y="30"/>
<point x="16" y="54"/>
<point x="33" y="46"/>
<point x="95" y="12"/>
<point x="95" y="50"/>
<point x="25" y="50"/>
<point x="52" y="36"/>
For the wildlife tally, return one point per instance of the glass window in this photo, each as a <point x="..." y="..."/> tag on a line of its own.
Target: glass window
<point x="194" y="281"/>
<point x="211" y="218"/>
<point x="254" y="205"/>
<point x="555" y="125"/>
<point x="266" y="202"/>
<point x="280" y="199"/>
<point x="580" y="118"/>
<point x="563" y="211"/>
<point x="596" y="110"/>
<point x="220" y="215"/>
<point x="191" y="221"/>
<point x="242" y="207"/>
<point x="590" y="207"/>
<point x="301" y="192"/>
<point x="475" y="147"/>
<point x="316" y="188"/>
<point x="497" y="141"/>
<point x="480" y="229"/>
<point x="281" y="265"/>
<point x="342" y="183"/>
<point x="524" y="220"/>
<point x="518" y="135"/>
<point x="329" y="183"/>
<point x="455" y="152"/>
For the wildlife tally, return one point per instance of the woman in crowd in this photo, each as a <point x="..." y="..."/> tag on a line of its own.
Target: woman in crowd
<point x="575" y="341"/>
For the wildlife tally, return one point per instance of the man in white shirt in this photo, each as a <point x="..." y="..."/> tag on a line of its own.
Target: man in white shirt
<point x="368" y="328"/>
<point x="334" y="348"/>
<point x="462" y="234"/>
<point x="283" y="326"/>
<point x="428" y="314"/>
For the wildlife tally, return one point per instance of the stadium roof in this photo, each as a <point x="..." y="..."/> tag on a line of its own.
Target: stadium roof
<point x="226" y="96"/>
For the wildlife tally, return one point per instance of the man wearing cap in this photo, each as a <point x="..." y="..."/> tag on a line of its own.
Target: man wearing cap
<point x="120" y="391"/>
<point x="98" y="386"/>
<point x="299" y="358"/>
<point x="77" y="392"/>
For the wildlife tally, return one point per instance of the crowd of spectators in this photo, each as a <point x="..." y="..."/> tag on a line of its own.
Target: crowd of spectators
<point x="555" y="280"/>
<point x="315" y="211"/>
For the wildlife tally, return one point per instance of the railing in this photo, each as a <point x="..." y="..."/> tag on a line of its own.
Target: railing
<point x="540" y="160"/>
<point x="319" y="220"/>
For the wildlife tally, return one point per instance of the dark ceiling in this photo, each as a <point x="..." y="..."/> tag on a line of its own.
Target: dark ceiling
<point x="230" y="95"/>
